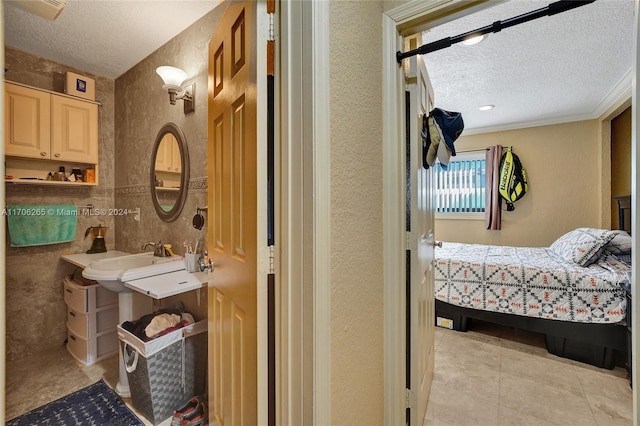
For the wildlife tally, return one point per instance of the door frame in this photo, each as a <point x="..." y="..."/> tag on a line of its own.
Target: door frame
<point x="635" y="203"/>
<point x="303" y="299"/>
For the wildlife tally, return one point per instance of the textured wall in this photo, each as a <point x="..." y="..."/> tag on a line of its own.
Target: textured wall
<point x="562" y="164"/>
<point x="356" y="213"/>
<point x="35" y="308"/>
<point x="142" y="108"/>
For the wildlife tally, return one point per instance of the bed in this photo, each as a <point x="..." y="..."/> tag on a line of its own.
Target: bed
<point x="575" y="291"/>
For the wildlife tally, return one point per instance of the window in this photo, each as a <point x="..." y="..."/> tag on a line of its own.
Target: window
<point x="461" y="188"/>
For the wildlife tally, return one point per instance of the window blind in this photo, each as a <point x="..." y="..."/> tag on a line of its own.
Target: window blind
<point x="460" y="188"/>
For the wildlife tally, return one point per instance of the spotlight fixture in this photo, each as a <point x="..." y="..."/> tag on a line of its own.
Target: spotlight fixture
<point x="173" y="78"/>
<point x="470" y="41"/>
<point x="486" y="107"/>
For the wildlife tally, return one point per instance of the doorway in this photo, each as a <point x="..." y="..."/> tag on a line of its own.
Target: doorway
<point x="407" y="19"/>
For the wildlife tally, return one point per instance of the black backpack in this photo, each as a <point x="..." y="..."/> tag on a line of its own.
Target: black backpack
<point x="513" y="178"/>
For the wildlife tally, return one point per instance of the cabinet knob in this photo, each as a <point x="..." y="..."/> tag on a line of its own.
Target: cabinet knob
<point x="169" y="168"/>
<point x="56" y="155"/>
<point x="43" y="154"/>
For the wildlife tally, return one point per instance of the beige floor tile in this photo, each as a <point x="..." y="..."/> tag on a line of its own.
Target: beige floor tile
<point x="539" y="368"/>
<point x="467" y="365"/>
<point x="603" y="382"/>
<point x="509" y="417"/>
<point x="536" y="398"/>
<point x="106" y="369"/>
<point x="40" y="379"/>
<point x="611" y="411"/>
<point x="471" y="348"/>
<point x="446" y="409"/>
<point x="466" y="377"/>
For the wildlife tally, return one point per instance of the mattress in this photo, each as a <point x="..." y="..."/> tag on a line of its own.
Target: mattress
<point x="531" y="281"/>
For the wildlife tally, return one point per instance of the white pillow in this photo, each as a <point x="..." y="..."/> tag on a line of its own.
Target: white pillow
<point x="620" y="244"/>
<point x="582" y="246"/>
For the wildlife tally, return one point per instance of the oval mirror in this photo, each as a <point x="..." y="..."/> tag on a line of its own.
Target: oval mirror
<point x="169" y="172"/>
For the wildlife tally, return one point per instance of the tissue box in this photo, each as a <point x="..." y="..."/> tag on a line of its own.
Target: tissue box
<point x="80" y="86"/>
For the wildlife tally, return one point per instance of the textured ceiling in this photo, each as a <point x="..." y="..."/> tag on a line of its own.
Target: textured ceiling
<point x="560" y="68"/>
<point x="103" y="37"/>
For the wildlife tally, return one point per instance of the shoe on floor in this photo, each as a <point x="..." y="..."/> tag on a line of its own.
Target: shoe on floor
<point x="183" y="411"/>
<point x="196" y="417"/>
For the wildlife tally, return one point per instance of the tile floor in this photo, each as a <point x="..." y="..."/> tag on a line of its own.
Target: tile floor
<point x="489" y="376"/>
<point x="501" y="376"/>
<point x="37" y="380"/>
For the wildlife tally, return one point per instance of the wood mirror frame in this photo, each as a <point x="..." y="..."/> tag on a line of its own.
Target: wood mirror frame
<point x="171" y="214"/>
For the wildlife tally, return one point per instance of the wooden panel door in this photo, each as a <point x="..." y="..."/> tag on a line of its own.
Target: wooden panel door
<point x="74" y="130"/>
<point x="27" y="121"/>
<point x="420" y="293"/>
<point x="232" y="221"/>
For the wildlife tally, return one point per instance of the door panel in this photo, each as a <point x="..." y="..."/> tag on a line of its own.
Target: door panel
<point x="28" y="122"/>
<point x="232" y="228"/>
<point x="421" y="222"/>
<point x="74" y="133"/>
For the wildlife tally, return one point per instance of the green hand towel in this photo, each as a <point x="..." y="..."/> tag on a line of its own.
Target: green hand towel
<point x="39" y="225"/>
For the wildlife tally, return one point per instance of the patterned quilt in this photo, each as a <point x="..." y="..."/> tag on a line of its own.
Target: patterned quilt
<point x="528" y="281"/>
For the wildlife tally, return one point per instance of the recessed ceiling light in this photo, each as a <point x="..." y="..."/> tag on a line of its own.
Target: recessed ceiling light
<point x="474" y="40"/>
<point x="486" y="107"/>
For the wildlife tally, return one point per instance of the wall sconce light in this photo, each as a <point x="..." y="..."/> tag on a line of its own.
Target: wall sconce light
<point x="173" y="78"/>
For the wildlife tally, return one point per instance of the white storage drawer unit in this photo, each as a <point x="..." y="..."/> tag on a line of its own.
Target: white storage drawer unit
<point x="80" y="323"/>
<point x="81" y="298"/>
<point x="92" y="317"/>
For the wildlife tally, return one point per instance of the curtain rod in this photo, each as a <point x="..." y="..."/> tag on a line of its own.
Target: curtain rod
<point x="550" y="10"/>
<point x="472" y="150"/>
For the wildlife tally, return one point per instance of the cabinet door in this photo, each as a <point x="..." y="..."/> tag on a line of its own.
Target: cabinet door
<point x="74" y="130"/>
<point x="27" y="121"/>
<point x="165" y="153"/>
<point x="176" y="161"/>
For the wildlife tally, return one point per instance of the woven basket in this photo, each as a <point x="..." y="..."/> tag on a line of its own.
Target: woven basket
<point x="164" y="375"/>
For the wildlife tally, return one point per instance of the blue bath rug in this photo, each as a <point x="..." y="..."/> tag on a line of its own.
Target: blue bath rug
<point x="96" y="405"/>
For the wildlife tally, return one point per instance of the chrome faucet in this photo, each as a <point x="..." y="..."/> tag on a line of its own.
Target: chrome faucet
<point x="158" y="248"/>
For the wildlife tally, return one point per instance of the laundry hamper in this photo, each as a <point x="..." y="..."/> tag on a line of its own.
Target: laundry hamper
<point x="165" y="372"/>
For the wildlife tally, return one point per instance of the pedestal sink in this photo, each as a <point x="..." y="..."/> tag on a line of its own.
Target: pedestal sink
<point x="113" y="273"/>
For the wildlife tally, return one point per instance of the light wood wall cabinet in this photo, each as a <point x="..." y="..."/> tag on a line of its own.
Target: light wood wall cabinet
<point x="168" y="157"/>
<point x="74" y="130"/>
<point x="56" y="129"/>
<point x="28" y="122"/>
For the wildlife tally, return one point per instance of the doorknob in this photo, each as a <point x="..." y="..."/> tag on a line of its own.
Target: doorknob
<point x="437" y="244"/>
